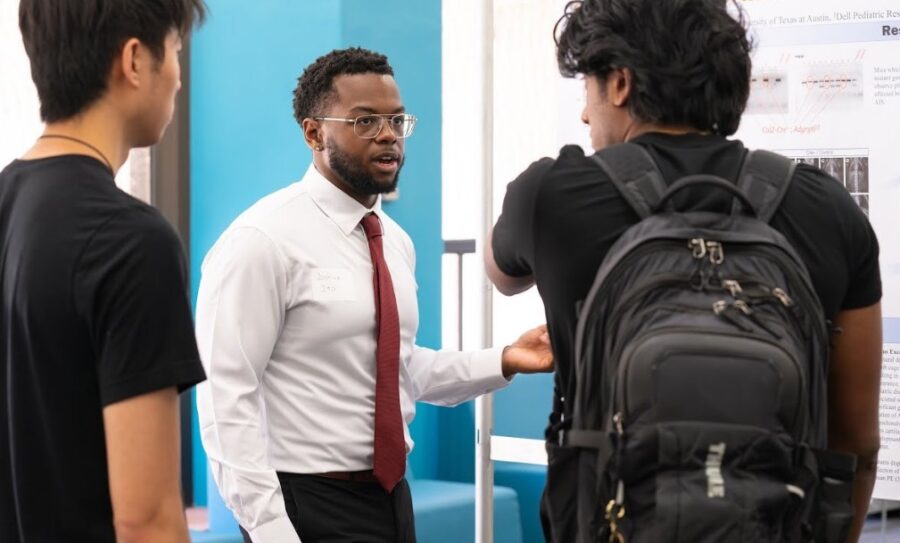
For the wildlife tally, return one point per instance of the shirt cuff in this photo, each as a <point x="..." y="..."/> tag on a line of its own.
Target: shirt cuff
<point x="487" y="369"/>
<point x="279" y="530"/>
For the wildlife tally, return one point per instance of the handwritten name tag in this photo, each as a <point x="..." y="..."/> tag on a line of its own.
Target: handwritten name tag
<point x="332" y="284"/>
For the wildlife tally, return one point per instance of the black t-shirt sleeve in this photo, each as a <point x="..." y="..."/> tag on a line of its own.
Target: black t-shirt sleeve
<point x="133" y="280"/>
<point x="834" y="238"/>
<point x="513" y="235"/>
<point x="861" y="248"/>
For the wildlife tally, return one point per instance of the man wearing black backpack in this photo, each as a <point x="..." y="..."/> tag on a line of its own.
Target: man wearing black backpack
<point x="673" y="78"/>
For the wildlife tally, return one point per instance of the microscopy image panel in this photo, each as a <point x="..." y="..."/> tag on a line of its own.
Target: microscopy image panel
<point x="811" y="160"/>
<point x="862" y="200"/>
<point x="833" y="166"/>
<point x="857" y="169"/>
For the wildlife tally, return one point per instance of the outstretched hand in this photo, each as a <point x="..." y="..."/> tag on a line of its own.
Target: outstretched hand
<point x="530" y="353"/>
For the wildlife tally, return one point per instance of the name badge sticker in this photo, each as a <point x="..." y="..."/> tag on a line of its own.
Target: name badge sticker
<point x="332" y="285"/>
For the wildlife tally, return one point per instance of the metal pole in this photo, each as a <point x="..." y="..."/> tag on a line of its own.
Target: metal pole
<point x="484" y="405"/>
<point x="484" y="470"/>
<point x="459" y="300"/>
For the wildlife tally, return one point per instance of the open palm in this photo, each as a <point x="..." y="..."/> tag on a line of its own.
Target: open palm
<point x="531" y="353"/>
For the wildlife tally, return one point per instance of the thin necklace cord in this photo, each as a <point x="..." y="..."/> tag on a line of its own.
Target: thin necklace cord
<point x="82" y="142"/>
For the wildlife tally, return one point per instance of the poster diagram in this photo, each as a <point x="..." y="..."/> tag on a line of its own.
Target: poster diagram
<point x="768" y="93"/>
<point x="832" y="86"/>
<point x="822" y="86"/>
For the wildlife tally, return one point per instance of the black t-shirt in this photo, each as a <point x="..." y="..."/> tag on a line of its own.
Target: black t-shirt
<point x="560" y="217"/>
<point x="93" y="310"/>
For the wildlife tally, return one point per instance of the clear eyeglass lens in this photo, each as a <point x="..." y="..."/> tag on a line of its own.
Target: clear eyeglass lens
<point x="369" y="126"/>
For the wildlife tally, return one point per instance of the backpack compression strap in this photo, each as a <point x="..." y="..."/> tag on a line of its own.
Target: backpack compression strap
<point x="765" y="178"/>
<point x="634" y="174"/>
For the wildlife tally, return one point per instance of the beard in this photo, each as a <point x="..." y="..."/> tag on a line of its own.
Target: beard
<point x="354" y="173"/>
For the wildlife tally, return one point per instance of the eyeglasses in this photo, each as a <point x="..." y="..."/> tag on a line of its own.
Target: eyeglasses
<point x="369" y="126"/>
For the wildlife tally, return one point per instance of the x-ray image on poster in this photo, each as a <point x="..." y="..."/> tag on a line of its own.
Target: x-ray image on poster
<point x="849" y="166"/>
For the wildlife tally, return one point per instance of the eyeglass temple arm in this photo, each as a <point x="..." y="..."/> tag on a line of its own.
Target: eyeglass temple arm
<point x="335" y="119"/>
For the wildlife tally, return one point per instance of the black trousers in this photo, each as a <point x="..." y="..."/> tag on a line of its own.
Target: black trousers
<point x="327" y="510"/>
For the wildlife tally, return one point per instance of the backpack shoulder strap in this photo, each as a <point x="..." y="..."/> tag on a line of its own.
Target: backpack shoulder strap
<point x="634" y="174"/>
<point x="765" y="178"/>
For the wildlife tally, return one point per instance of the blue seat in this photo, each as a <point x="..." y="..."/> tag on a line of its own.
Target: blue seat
<point x="445" y="512"/>
<point x="528" y="481"/>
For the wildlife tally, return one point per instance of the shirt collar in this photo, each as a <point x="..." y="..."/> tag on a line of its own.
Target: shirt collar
<point x="337" y="205"/>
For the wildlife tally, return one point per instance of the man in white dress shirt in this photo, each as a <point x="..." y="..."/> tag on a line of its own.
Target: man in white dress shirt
<point x="301" y="343"/>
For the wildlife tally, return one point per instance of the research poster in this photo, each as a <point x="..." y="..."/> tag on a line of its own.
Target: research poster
<point x="826" y="90"/>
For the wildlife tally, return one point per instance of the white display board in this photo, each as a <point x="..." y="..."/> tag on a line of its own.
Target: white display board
<point x="826" y="90"/>
<point x="526" y="76"/>
<point x="20" y="121"/>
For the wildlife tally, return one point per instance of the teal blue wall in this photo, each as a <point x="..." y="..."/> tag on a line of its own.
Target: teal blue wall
<point x="409" y="33"/>
<point x="245" y="143"/>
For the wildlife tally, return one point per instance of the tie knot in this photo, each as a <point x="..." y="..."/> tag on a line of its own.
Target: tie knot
<point x="371" y="225"/>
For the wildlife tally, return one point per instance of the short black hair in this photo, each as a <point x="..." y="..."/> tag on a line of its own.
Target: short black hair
<point x="690" y="59"/>
<point x="315" y="85"/>
<point x="72" y="43"/>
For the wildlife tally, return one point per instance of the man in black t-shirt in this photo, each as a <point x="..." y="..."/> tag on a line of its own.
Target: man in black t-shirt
<point x="97" y="337"/>
<point x="673" y="77"/>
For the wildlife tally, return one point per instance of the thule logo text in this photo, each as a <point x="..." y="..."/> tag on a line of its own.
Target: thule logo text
<point x="715" y="483"/>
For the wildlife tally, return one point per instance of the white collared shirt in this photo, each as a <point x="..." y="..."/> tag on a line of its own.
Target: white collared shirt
<point x="286" y="331"/>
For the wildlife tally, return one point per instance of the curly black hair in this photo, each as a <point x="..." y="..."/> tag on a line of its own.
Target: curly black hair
<point x="690" y="59"/>
<point x="315" y="85"/>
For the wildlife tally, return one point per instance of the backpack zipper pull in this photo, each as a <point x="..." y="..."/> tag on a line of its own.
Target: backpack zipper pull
<point x="744" y="308"/>
<point x="783" y="297"/>
<point x="721" y="307"/>
<point x="733" y="286"/>
<point x="617" y="422"/>
<point x="716" y="252"/>
<point x="697" y="247"/>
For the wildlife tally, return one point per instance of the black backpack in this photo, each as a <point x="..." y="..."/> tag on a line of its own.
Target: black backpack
<point x="698" y="406"/>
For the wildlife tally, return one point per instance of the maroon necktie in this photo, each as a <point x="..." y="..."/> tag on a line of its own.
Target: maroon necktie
<point x="390" y="445"/>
